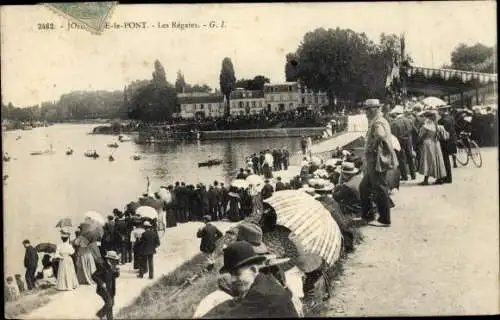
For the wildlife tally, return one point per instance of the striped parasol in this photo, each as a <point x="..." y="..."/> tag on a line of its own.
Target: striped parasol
<point x="310" y="222"/>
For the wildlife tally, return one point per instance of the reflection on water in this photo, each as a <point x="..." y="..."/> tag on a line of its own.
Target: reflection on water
<point x="42" y="189"/>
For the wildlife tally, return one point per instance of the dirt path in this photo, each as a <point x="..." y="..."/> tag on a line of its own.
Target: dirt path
<point x="439" y="257"/>
<point x="178" y="245"/>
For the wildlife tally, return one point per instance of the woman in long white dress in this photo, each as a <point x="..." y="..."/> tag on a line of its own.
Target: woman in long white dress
<point x="85" y="264"/>
<point x="66" y="275"/>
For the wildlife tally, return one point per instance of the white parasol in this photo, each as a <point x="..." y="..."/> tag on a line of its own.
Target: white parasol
<point x="165" y="195"/>
<point x="147" y="212"/>
<point x="95" y="216"/>
<point x="239" y="183"/>
<point x="310" y="221"/>
<point x="254" y="179"/>
<point x="433" y="102"/>
<point x="316" y="160"/>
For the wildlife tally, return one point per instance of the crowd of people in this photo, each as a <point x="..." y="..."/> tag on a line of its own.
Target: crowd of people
<point x="254" y="280"/>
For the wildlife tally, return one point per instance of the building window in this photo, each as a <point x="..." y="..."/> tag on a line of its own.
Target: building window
<point x="260" y="104"/>
<point x="241" y="104"/>
<point x="210" y="107"/>
<point x="303" y="100"/>
<point x="271" y="98"/>
<point x="253" y="104"/>
<point x="201" y="106"/>
<point x="302" y="90"/>
<point x="290" y="88"/>
<point x="234" y="104"/>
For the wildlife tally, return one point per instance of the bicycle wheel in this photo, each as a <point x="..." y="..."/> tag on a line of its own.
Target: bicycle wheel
<point x="477" y="159"/>
<point x="462" y="153"/>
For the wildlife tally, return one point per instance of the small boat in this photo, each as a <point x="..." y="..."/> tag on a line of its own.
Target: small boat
<point x="91" y="154"/>
<point x="6" y="157"/>
<point x="111" y="158"/>
<point x="123" y="138"/>
<point x="113" y="145"/>
<point x="209" y="163"/>
<point x="69" y="152"/>
<point x="36" y="153"/>
<point x="18" y="138"/>
<point x="136" y="157"/>
<point x="5" y="177"/>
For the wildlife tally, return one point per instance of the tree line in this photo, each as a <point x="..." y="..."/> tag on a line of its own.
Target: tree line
<point x="346" y="65"/>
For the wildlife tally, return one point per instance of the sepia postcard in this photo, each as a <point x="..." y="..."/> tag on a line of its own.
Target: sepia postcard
<point x="249" y="160"/>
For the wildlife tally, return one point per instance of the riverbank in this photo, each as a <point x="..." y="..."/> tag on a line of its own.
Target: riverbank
<point x="179" y="244"/>
<point x="261" y="133"/>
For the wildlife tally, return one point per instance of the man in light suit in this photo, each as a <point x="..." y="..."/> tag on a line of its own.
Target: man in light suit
<point x="379" y="158"/>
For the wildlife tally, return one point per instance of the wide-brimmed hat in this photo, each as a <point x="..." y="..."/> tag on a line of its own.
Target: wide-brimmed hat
<point x="65" y="232"/>
<point x="239" y="254"/>
<point x="207" y="218"/>
<point x="397" y="110"/>
<point x="112" y="255"/>
<point x="371" y="103"/>
<point x="252" y="233"/>
<point x="349" y="168"/>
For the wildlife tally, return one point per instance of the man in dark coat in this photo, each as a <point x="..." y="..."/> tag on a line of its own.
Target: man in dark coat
<point x="241" y="174"/>
<point x="255" y="164"/>
<point x="105" y="279"/>
<point x="149" y="242"/>
<point x="448" y="147"/>
<point x="276" y="159"/>
<point x="267" y="190"/>
<point x="108" y="239"/>
<point x="259" y="295"/>
<point x="176" y="199"/>
<point x="218" y="200"/>
<point x="30" y="263"/>
<point x="402" y="131"/>
<point x="261" y="161"/>
<point x="212" y="202"/>
<point x="209" y="235"/>
<point x="122" y="237"/>
<point x="280" y="185"/>
<point x="225" y="199"/>
<point x="285" y="158"/>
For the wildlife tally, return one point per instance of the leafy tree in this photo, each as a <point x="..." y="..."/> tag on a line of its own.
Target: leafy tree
<point x="180" y="83"/>
<point x="257" y="83"/>
<point x="291" y="68"/>
<point x="198" y="88"/>
<point x="227" y="81"/>
<point x="479" y="58"/>
<point x="159" y="77"/>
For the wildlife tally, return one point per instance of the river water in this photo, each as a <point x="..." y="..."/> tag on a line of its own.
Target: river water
<point x="42" y="189"/>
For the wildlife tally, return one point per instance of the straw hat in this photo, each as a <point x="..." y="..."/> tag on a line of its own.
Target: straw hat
<point x="112" y="255"/>
<point x="371" y="103"/>
<point x="349" y="168"/>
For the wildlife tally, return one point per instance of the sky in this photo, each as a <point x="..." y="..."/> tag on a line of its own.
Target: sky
<point x="40" y="65"/>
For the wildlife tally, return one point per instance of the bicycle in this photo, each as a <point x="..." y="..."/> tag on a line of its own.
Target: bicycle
<point x="468" y="148"/>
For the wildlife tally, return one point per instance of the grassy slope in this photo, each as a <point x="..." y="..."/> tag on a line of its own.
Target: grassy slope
<point x="27" y="302"/>
<point x="155" y="301"/>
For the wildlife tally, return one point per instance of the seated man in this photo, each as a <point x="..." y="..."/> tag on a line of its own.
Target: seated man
<point x="259" y="295"/>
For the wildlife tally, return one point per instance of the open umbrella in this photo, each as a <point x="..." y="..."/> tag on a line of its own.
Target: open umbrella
<point x="64" y="222"/>
<point x="433" y="102"/>
<point x="151" y="202"/>
<point x="239" y="183"/>
<point x="311" y="223"/>
<point x="316" y="160"/>
<point x="95" y="216"/>
<point x="165" y="195"/>
<point x="46" y="247"/>
<point x="254" y="179"/>
<point x="147" y="212"/>
<point x="92" y="231"/>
